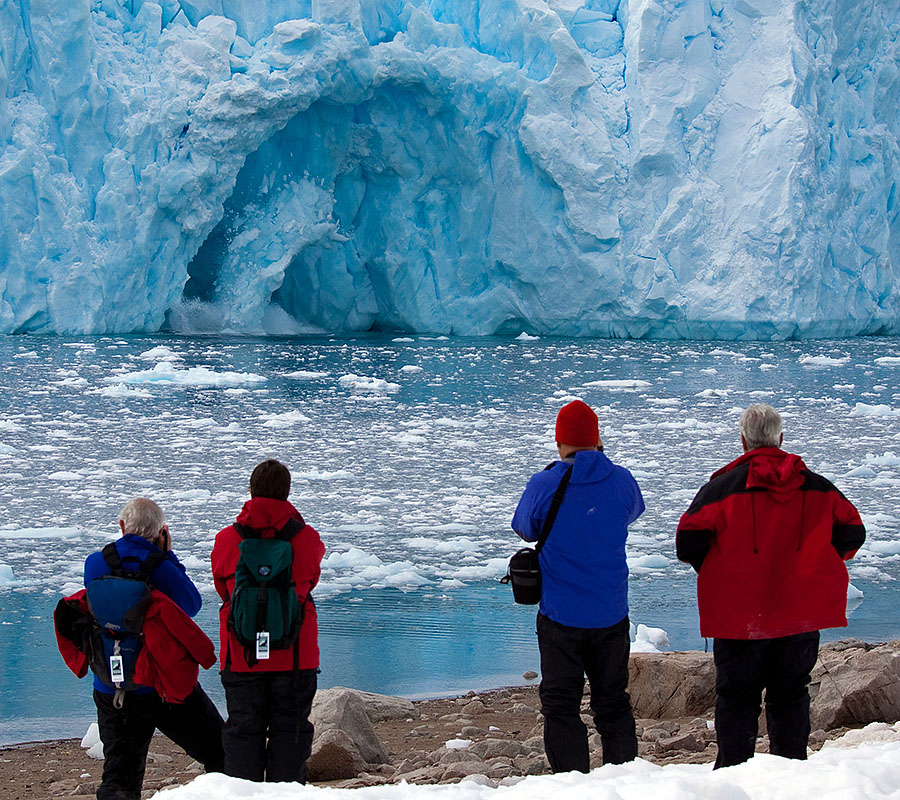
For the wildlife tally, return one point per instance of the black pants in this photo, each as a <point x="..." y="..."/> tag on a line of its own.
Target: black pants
<point x="195" y="726"/>
<point x="743" y="669"/>
<point x="566" y="655"/>
<point x="268" y="735"/>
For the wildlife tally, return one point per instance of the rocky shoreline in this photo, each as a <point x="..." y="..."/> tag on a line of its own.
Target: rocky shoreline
<point x="495" y="737"/>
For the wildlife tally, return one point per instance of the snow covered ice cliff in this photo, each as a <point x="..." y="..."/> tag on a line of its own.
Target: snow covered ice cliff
<point x="709" y="168"/>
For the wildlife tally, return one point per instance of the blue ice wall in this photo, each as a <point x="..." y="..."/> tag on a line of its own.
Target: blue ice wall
<point x="703" y="168"/>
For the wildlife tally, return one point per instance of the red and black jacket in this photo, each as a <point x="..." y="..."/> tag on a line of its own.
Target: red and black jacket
<point x="769" y="538"/>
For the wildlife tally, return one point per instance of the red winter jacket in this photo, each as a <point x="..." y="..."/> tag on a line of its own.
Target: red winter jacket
<point x="768" y="539"/>
<point x="269" y="515"/>
<point x="173" y="647"/>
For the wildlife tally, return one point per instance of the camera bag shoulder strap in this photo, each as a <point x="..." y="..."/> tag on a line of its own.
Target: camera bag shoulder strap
<point x="555" y="503"/>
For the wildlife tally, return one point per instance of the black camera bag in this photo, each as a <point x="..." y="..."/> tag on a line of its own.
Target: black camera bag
<point x="524" y="571"/>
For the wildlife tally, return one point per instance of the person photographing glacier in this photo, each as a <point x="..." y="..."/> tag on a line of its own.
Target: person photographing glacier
<point x="768" y="538"/>
<point x="582" y="623"/>
<point x="132" y="626"/>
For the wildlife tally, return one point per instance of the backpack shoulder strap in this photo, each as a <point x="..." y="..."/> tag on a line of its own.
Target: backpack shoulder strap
<point x="150" y="563"/>
<point x="555" y="503"/>
<point x="112" y="558"/>
<point x="293" y="527"/>
<point x="244" y="531"/>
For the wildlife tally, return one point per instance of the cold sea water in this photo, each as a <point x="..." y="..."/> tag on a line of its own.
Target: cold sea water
<point x="408" y="455"/>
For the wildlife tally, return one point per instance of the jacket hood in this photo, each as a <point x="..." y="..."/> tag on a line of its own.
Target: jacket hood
<point x="261" y="513"/>
<point x="590" y="466"/>
<point x="770" y="468"/>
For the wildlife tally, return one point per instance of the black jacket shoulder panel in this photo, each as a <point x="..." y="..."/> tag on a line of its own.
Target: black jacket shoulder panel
<point x="721" y="486"/>
<point x="818" y="483"/>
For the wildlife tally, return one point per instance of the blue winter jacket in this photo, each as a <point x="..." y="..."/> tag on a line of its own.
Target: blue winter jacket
<point x="583" y="570"/>
<point x="169" y="577"/>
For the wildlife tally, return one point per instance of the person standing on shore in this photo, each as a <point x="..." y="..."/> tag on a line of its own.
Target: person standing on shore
<point x="768" y="539"/>
<point x="265" y="567"/>
<point x="127" y="719"/>
<point x="582" y="624"/>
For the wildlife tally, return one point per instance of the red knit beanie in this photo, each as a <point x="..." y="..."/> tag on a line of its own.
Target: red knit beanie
<point x="577" y="425"/>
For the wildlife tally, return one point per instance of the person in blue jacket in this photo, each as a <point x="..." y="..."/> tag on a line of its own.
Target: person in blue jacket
<point x="582" y="624"/>
<point x="125" y="731"/>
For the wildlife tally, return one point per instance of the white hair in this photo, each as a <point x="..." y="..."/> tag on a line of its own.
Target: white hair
<point x="761" y="427"/>
<point x="143" y="517"/>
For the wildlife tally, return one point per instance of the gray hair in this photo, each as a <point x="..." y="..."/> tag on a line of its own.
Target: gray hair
<point x="761" y="427"/>
<point x="143" y="517"/>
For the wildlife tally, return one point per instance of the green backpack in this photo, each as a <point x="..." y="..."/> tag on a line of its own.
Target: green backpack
<point x="265" y="613"/>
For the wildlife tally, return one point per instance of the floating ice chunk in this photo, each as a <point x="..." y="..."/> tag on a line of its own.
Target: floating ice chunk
<point x="526" y="337"/>
<point x="713" y="393"/>
<point x="457" y="744"/>
<point x="824" y="361"/>
<point x="618" y="384"/>
<point x="861" y="472"/>
<point x="884" y="548"/>
<point x="166" y="374"/>
<point x="160" y="353"/>
<point x="853" y="593"/>
<point x="352" y="558"/>
<point x="408" y="438"/>
<point x="284" y="420"/>
<point x="888" y="361"/>
<point x="305" y="375"/>
<point x="65" y="476"/>
<point x="324" y="475"/>
<point x="880" y="410"/>
<point x="8" y="450"/>
<point x="403" y="339"/>
<point x="40" y="533"/>
<point x="410" y="369"/>
<point x="454" y="545"/>
<point x="360" y="383"/>
<point x="889" y="459"/>
<point x="6" y="575"/>
<point x="121" y="390"/>
<point x="8" y="426"/>
<point x="651" y="561"/>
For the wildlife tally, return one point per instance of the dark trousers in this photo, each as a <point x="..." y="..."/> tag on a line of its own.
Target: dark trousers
<point x="567" y="654"/>
<point x="744" y="668"/>
<point x="268" y="735"/>
<point x="195" y="726"/>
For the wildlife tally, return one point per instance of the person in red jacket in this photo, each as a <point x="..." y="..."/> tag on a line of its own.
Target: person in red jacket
<point x="268" y="735"/>
<point x="768" y="539"/>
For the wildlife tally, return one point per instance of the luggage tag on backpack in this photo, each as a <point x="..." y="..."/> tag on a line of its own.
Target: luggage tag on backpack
<point x="262" y="645"/>
<point x="116" y="669"/>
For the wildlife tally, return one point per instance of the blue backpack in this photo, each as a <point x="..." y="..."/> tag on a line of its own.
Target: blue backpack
<point x="118" y="603"/>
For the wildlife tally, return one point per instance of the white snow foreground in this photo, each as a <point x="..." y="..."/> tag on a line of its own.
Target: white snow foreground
<point x="596" y="167"/>
<point x="864" y="767"/>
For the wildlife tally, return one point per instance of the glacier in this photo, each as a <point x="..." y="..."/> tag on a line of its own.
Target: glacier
<point x="634" y="168"/>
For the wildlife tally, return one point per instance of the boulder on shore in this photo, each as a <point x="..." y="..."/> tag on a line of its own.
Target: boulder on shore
<point x="855" y="683"/>
<point x="671" y="685"/>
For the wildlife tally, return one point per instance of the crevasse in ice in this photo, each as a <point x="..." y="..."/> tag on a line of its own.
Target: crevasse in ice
<point x="708" y="168"/>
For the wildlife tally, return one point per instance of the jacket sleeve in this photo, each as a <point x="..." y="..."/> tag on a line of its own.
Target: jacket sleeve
<point x="696" y="531"/>
<point x="308" y="553"/>
<point x="171" y="579"/>
<point x="847" y="531"/>
<point x="638" y="506"/>
<point x="223" y="562"/>
<point x="533" y="506"/>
